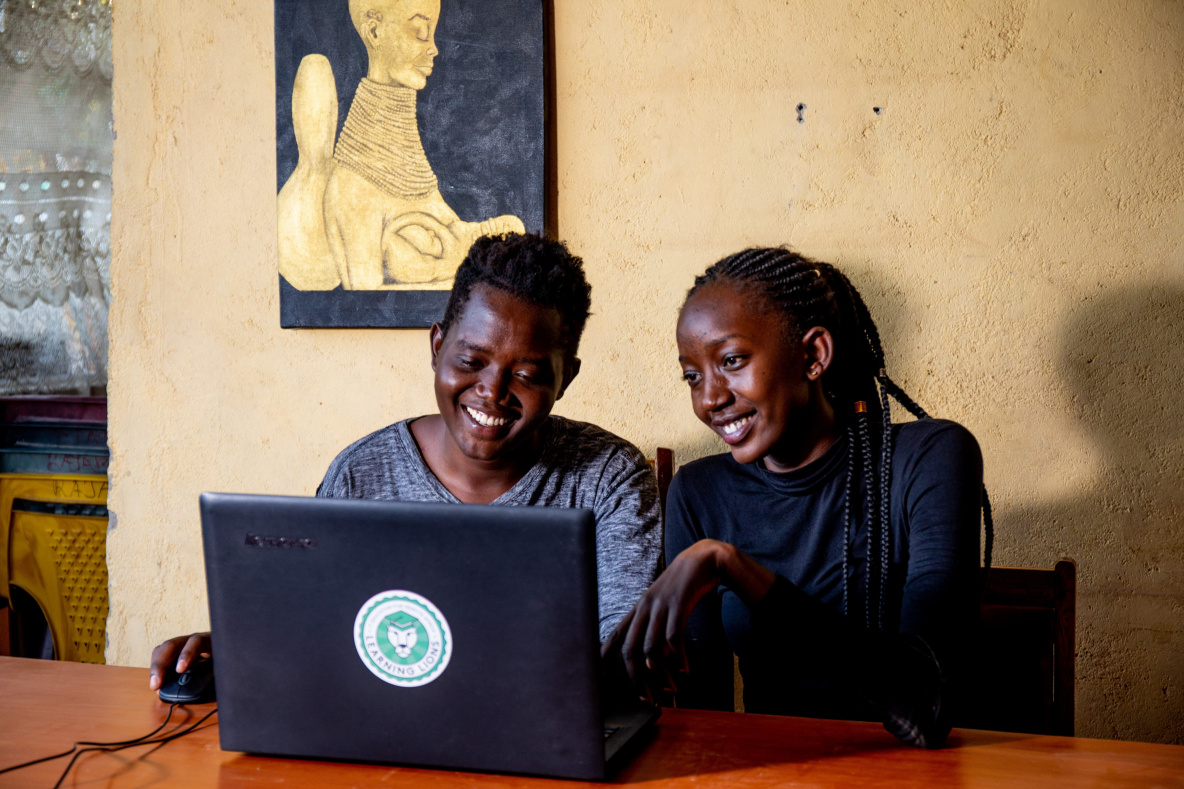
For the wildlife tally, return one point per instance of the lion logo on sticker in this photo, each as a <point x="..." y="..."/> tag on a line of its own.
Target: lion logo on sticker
<point x="402" y="638"/>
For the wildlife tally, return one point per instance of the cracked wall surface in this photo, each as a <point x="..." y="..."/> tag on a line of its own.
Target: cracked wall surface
<point x="1014" y="215"/>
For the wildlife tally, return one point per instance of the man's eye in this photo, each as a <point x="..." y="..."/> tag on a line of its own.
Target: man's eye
<point x="536" y="376"/>
<point x="732" y="361"/>
<point x="468" y="364"/>
<point x="690" y="377"/>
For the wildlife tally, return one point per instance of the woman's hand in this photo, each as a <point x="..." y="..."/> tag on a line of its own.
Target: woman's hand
<point x="183" y="649"/>
<point x="652" y="632"/>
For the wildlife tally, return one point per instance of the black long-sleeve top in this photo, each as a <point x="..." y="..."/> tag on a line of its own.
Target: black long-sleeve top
<point x="798" y="653"/>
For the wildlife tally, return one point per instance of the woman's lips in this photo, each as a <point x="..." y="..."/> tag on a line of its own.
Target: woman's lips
<point x="735" y="431"/>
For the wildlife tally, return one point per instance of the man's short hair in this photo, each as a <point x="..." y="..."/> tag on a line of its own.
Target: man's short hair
<point x="533" y="268"/>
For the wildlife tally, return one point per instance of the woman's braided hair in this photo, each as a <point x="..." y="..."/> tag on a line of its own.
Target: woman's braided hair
<point x="809" y="293"/>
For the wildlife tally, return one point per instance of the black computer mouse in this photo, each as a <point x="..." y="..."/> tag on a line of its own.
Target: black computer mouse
<point x="194" y="686"/>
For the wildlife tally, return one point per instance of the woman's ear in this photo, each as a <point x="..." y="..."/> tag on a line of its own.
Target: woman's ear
<point x="818" y="347"/>
<point x="437" y="339"/>
<point x="571" y="368"/>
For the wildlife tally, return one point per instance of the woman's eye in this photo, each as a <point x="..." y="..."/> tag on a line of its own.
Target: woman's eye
<point x="690" y="377"/>
<point x="732" y="361"/>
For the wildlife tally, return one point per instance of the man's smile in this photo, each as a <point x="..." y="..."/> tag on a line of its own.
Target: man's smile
<point x="487" y="420"/>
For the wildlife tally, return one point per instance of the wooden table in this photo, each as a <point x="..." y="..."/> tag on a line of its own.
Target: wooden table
<point x="45" y="706"/>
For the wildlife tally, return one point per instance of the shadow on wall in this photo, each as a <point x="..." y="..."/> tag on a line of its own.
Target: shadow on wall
<point x="1123" y="360"/>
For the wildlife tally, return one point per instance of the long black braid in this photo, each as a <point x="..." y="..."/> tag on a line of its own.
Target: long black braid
<point x="809" y="293"/>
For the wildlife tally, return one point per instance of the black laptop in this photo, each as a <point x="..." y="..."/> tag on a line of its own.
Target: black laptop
<point x="438" y="635"/>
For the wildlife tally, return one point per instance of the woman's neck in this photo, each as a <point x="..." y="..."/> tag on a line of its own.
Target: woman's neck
<point x="804" y="447"/>
<point x="380" y="141"/>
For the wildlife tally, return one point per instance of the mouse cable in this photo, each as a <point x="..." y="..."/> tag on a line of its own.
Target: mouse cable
<point x="136" y="743"/>
<point x="85" y="742"/>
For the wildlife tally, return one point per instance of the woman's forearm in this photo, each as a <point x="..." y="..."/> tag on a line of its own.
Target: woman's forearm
<point x="742" y="573"/>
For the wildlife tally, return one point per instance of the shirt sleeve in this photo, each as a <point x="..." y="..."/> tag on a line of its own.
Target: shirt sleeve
<point x="942" y="506"/>
<point x="335" y="484"/>
<point x="628" y="536"/>
<point x="709" y="682"/>
<point x="909" y="675"/>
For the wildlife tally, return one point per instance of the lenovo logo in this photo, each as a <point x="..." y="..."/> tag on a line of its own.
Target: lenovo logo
<point x="280" y="542"/>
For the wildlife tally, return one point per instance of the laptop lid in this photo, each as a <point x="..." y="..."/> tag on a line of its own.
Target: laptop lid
<point x="441" y="635"/>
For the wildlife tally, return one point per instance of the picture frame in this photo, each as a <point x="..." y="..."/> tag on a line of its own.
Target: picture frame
<point x="404" y="130"/>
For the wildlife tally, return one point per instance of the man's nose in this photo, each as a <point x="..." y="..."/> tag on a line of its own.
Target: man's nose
<point x="494" y="383"/>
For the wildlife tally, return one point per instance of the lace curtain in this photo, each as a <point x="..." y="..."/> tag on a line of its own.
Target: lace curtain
<point x="56" y="143"/>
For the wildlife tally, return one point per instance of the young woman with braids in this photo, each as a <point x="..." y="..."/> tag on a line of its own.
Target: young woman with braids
<point x="836" y="554"/>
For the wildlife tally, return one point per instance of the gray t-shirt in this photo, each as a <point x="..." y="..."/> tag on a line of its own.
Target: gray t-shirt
<point x="582" y="465"/>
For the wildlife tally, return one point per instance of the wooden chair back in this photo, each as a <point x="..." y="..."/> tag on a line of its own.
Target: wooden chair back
<point x="663" y="464"/>
<point x="1022" y="674"/>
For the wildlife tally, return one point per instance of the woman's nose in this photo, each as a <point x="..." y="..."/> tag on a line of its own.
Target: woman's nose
<point x="714" y="392"/>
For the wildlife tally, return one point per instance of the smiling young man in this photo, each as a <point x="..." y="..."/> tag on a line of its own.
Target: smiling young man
<point x="503" y="354"/>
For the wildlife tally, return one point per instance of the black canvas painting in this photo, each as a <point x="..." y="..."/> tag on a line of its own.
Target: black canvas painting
<point x="405" y="129"/>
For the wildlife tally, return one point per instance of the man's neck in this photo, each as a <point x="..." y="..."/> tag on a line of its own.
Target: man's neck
<point x="472" y="481"/>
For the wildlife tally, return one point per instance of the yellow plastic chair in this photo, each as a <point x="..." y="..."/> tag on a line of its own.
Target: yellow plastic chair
<point x="61" y="562"/>
<point x="64" y="488"/>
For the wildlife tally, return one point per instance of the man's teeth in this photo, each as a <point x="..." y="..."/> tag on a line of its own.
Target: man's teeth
<point x="732" y="428"/>
<point x="486" y="419"/>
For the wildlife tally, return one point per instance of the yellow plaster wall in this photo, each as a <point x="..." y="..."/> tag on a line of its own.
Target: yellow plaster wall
<point x="1014" y="216"/>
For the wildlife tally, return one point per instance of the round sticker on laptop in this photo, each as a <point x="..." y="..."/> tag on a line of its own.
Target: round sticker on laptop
<point x="402" y="638"/>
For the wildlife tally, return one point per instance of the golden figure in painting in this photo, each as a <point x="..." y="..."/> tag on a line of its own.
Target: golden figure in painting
<point x="368" y="214"/>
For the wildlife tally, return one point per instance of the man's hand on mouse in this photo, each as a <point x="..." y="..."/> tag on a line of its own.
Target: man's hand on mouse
<point x="183" y="649"/>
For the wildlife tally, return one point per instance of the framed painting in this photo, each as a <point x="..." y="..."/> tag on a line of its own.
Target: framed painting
<point x="405" y="129"/>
